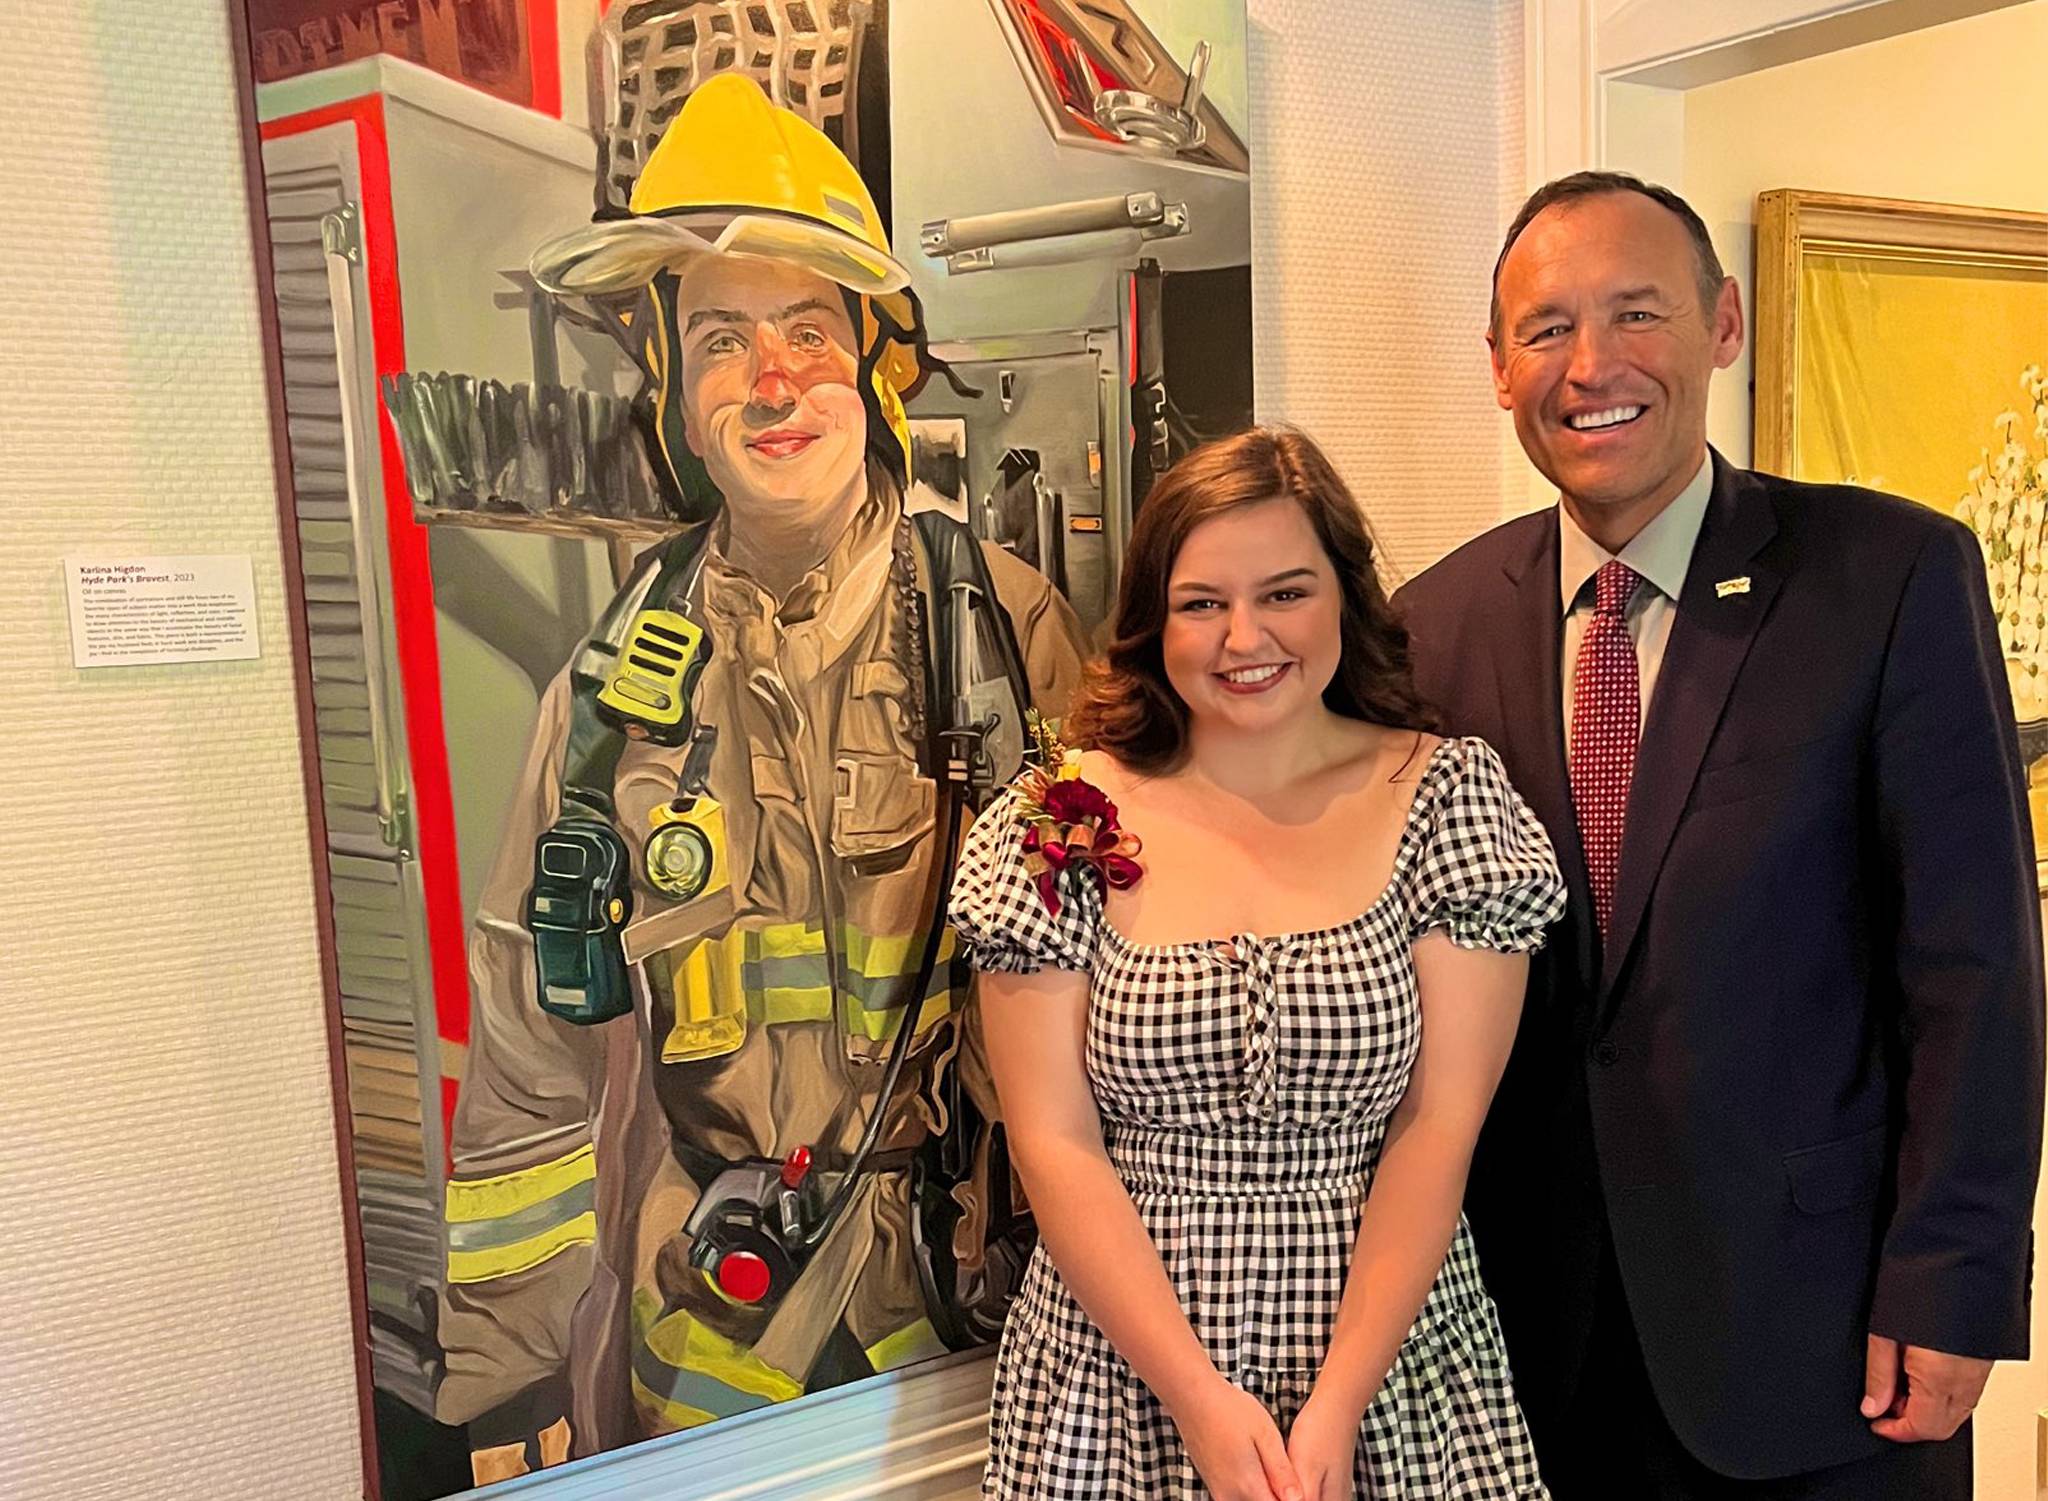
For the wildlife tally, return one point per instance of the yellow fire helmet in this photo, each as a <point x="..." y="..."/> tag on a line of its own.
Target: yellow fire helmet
<point x="735" y="174"/>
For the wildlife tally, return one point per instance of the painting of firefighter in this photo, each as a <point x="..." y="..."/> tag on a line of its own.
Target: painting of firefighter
<point x="697" y="487"/>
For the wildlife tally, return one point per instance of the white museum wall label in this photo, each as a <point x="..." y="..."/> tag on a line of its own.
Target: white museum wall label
<point x="134" y="612"/>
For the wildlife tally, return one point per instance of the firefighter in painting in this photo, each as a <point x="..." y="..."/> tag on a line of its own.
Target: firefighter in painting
<point x="720" y="1038"/>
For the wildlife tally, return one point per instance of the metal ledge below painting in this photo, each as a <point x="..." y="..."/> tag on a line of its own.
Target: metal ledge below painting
<point x="913" y="1435"/>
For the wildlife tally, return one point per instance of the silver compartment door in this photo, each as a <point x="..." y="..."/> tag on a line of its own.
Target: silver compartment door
<point x="388" y="1021"/>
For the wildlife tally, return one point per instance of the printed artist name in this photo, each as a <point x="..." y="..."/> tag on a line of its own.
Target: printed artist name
<point x="100" y="574"/>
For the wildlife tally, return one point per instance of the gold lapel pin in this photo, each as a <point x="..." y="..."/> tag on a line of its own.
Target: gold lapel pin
<point x="1731" y="586"/>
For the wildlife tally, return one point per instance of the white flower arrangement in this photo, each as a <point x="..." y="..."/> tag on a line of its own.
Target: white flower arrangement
<point x="2006" y="505"/>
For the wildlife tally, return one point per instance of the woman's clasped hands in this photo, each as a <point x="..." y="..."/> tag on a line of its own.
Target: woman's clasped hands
<point x="1238" y="1450"/>
<point x="1322" y="1444"/>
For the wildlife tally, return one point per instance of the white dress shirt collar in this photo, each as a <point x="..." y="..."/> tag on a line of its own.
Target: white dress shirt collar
<point x="1661" y="552"/>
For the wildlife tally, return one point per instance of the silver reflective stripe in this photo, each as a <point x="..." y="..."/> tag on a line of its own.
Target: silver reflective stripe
<point x="812" y="972"/>
<point x="691" y="1388"/>
<point x="508" y="1229"/>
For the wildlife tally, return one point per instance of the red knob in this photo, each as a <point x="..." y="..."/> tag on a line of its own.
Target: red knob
<point x="796" y="1167"/>
<point x="743" y="1276"/>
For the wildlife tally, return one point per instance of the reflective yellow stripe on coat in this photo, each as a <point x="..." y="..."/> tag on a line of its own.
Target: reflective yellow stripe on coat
<point x="782" y="974"/>
<point x="685" y="1373"/>
<point x="508" y="1223"/>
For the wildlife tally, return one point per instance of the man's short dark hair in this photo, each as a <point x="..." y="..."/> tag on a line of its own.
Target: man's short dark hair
<point x="1597" y="184"/>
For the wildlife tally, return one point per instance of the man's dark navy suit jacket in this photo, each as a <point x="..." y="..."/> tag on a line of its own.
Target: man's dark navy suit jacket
<point x="1801" y="1081"/>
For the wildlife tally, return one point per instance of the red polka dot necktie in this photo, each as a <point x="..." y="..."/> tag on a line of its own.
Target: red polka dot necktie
<point x="1606" y="723"/>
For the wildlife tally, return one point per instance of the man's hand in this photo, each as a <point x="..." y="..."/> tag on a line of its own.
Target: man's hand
<point x="1915" y="1396"/>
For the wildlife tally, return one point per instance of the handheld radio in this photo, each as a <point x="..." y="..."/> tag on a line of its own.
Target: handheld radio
<point x="647" y="694"/>
<point x="580" y="902"/>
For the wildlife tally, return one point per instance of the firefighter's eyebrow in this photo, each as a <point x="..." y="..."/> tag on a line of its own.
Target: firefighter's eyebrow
<point x="808" y="305"/>
<point x="705" y="315"/>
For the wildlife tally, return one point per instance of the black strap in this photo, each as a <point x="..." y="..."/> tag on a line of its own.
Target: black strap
<point x="906" y="1030"/>
<point x="953" y="556"/>
<point x="956" y="557"/>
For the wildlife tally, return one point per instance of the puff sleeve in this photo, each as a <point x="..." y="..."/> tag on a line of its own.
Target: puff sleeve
<point x="1487" y="874"/>
<point x="998" y="912"/>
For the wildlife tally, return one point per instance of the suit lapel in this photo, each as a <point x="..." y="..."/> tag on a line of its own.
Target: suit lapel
<point x="1527" y="668"/>
<point x="1710" y="636"/>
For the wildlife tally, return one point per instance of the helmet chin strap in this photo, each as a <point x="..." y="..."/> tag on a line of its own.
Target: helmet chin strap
<point x="890" y="331"/>
<point x="885" y="340"/>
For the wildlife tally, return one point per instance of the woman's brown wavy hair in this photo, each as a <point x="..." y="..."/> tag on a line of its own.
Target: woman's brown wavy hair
<point x="1129" y="709"/>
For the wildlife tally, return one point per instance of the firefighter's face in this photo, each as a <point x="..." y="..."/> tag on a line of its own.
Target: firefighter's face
<point x="1254" y="618"/>
<point x="769" y="393"/>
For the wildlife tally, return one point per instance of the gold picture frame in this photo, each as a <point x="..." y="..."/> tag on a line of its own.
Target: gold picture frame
<point x="1901" y="345"/>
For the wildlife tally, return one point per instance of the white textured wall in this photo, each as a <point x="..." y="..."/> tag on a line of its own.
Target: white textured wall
<point x="171" y="1259"/>
<point x="1385" y="134"/>
<point x="176" y="1317"/>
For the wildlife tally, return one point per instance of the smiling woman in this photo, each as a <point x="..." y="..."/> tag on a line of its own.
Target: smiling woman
<point x="1244" y="1112"/>
<point x="1250" y="583"/>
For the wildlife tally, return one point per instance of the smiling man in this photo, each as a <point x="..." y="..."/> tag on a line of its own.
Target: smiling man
<point x="771" y="404"/>
<point x="1755" y="1193"/>
<point x="721" y="1139"/>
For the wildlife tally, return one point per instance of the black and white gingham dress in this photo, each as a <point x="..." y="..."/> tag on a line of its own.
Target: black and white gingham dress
<point x="1244" y="1088"/>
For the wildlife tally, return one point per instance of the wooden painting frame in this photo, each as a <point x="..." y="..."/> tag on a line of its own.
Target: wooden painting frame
<point x="393" y="254"/>
<point x="1791" y="221"/>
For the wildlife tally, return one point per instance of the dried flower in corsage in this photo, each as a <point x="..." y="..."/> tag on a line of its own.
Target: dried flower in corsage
<point x="1068" y="821"/>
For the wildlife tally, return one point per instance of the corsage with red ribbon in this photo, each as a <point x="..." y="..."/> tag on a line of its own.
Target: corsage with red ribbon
<point x="1069" y="821"/>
